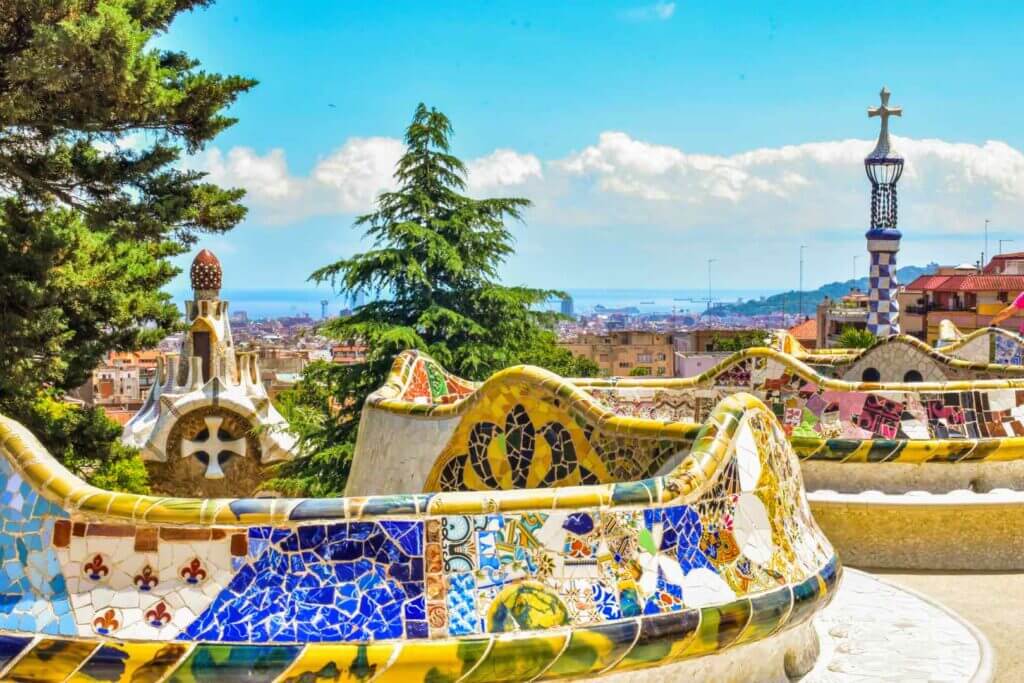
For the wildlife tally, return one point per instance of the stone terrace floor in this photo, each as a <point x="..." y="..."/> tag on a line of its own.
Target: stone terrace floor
<point x="875" y="630"/>
<point x="991" y="601"/>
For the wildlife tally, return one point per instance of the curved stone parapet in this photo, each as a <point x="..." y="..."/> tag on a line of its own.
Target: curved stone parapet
<point x="988" y="344"/>
<point x="988" y="353"/>
<point x="554" y="583"/>
<point x="618" y="428"/>
<point x="527" y="427"/>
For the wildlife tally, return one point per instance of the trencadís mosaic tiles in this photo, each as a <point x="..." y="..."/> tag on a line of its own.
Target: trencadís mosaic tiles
<point x="529" y="428"/>
<point x="553" y="582"/>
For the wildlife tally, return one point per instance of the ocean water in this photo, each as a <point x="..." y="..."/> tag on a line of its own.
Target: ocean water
<point x="274" y="303"/>
<point x="658" y="300"/>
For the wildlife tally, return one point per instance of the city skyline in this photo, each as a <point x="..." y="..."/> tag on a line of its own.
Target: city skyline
<point x="640" y="169"/>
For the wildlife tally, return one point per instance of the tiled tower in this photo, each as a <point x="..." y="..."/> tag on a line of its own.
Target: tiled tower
<point x="884" y="166"/>
<point x="208" y="428"/>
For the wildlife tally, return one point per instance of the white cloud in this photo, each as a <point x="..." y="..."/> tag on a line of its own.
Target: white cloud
<point x="622" y="181"/>
<point x="130" y="142"/>
<point x="795" y="187"/>
<point x="345" y="181"/>
<point x="503" y="168"/>
<point x="264" y="177"/>
<point x="659" y="11"/>
<point x="355" y="173"/>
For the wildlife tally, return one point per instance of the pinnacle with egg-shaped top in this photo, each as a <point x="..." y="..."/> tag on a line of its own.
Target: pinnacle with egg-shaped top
<point x="206" y="273"/>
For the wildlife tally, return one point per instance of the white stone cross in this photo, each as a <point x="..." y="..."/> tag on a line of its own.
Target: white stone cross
<point x="213" y="446"/>
<point x="884" y="112"/>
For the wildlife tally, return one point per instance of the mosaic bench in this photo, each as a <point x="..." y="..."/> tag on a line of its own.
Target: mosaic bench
<point x="940" y="453"/>
<point x="983" y="354"/>
<point x="988" y="344"/>
<point x="714" y="568"/>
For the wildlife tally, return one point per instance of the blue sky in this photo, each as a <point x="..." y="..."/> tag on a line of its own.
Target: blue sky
<point x="650" y="136"/>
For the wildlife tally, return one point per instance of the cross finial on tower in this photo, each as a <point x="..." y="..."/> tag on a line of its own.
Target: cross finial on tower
<point x="883" y="148"/>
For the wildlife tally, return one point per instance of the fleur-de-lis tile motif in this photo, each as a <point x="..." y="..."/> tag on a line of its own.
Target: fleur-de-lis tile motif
<point x="106" y="623"/>
<point x="159" y="616"/>
<point x="193" y="572"/>
<point x="96" y="568"/>
<point x="147" y="579"/>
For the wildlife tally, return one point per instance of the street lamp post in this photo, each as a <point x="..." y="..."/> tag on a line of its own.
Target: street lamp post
<point x="800" y="298"/>
<point x="984" y="254"/>
<point x="710" y="261"/>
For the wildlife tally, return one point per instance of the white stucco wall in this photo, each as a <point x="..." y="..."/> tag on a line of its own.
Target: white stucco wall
<point x="394" y="453"/>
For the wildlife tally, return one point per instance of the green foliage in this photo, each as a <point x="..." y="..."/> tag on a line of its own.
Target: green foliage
<point x="87" y="442"/>
<point x="93" y="121"/>
<point x="325" y="447"/>
<point x="435" y="261"/>
<point x="853" y="338"/>
<point x="544" y="351"/>
<point x="738" y="342"/>
<point x="640" y="371"/>
<point x="69" y="294"/>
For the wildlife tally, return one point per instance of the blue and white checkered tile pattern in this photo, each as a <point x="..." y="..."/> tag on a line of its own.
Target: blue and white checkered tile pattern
<point x="883" y="309"/>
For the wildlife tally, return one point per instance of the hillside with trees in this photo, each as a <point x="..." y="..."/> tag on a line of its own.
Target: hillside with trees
<point x="789" y="302"/>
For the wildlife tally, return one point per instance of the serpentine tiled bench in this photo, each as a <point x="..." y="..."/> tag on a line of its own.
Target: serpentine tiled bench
<point x="429" y="431"/>
<point x="715" y="566"/>
<point x="987" y="353"/>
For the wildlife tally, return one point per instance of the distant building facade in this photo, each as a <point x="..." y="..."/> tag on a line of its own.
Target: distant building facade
<point x="963" y="295"/>
<point x="567" y="308"/>
<point x="621" y="353"/>
<point x="693" y="350"/>
<point x="348" y="353"/>
<point x="124" y="380"/>
<point x="835" y="315"/>
<point x="692" y="364"/>
<point x="705" y="339"/>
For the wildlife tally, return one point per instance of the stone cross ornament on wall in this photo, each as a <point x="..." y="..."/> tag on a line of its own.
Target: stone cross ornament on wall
<point x="214" y="447"/>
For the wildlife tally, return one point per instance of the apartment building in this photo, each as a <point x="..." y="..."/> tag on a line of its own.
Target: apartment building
<point x="964" y="295"/>
<point x="348" y="353"/>
<point x="624" y="352"/>
<point x="835" y="315"/>
<point x="124" y="379"/>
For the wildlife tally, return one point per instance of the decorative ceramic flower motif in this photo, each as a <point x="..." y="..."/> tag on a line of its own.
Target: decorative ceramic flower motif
<point x="543" y="563"/>
<point x="159" y="616"/>
<point x="147" y="579"/>
<point x="96" y="568"/>
<point x="106" y="623"/>
<point x="652" y="561"/>
<point x="193" y="572"/>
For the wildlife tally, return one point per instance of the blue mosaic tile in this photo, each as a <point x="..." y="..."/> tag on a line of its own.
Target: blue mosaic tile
<point x="33" y="595"/>
<point x="346" y="581"/>
<point x="461" y="598"/>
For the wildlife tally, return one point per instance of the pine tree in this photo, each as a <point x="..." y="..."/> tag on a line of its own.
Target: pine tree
<point x="434" y="270"/>
<point x="93" y="202"/>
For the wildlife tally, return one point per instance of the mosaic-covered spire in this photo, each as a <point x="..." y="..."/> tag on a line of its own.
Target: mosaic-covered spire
<point x="884" y="166"/>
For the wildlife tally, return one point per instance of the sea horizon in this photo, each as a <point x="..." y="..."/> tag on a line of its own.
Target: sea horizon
<point x="275" y="303"/>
